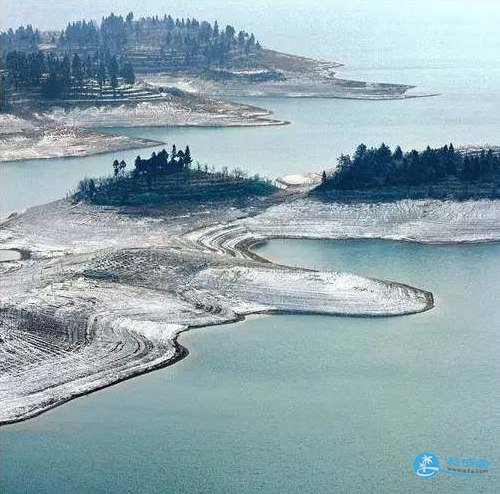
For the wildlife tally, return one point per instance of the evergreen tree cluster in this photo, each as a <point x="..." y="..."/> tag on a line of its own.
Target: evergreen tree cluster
<point x="57" y="76"/>
<point x="156" y="167"/>
<point x="168" y="178"/>
<point x="80" y="34"/>
<point x="161" y="163"/>
<point x="186" y="39"/>
<point x="380" y="167"/>
<point x="86" y="51"/>
<point x="23" y="37"/>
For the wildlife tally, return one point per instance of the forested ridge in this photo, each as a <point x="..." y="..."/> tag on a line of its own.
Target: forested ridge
<point x="178" y="43"/>
<point x="445" y="168"/>
<point x="182" y="41"/>
<point x="86" y="54"/>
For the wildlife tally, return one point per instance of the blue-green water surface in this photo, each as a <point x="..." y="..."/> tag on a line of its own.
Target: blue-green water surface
<point x="294" y="404"/>
<point x="300" y="404"/>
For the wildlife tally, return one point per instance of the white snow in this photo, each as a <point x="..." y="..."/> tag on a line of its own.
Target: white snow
<point x="105" y="294"/>
<point x="11" y="124"/>
<point x="306" y="179"/>
<point x="429" y="221"/>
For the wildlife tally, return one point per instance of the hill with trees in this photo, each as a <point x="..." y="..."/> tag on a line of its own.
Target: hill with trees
<point x="439" y="172"/>
<point x="218" y="60"/>
<point x="86" y="57"/>
<point x="169" y="178"/>
<point x="161" y="41"/>
<point x="157" y="43"/>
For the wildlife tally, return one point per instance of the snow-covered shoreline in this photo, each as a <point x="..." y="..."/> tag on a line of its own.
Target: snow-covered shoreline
<point x="59" y="131"/>
<point x="104" y="294"/>
<point x="65" y="142"/>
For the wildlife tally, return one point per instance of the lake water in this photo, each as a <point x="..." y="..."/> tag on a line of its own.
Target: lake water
<point x="294" y="404"/>
<point x="298" y="404"/>
<point x="320" y="131"/>
<point x="447" y="47"/>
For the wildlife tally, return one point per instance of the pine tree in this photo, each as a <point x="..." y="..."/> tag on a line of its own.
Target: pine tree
<point x="4" y="102"/>
<point x="77" y="69"/>
<point x="128" y="73"/>
<point x="187" y="156"/>
<point x="398" y="153"/>
<point x="66" y="72"/>
<point x="101" y="75"/>
<point x="89" y="67"/>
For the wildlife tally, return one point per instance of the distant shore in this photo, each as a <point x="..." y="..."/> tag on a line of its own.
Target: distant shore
<point x="299" y="77"/>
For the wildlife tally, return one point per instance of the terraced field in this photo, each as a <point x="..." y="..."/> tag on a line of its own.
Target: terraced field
<point x="103" y="292"/>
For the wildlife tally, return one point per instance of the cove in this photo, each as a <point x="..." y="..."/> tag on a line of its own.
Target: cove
<point x="295" y="403"/>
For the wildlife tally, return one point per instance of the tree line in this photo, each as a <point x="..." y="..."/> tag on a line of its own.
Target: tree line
<point x="25" y="37"/>
<point x="160" y="163"/>
<point x="59" y="75"/>
<point x="187" y="38"/>
<point x="102" y="52"/>
<point x="379" y="167"/>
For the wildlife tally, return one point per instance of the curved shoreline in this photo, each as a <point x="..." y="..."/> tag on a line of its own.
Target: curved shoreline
<point x="181" y="352"/>
<point x="60" y="132"/>
<point x="135" y="282"/>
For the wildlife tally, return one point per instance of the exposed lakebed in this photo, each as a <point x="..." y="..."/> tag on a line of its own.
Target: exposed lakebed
<point x="305" y="403"/>
<point x="10" y="255"/>
<point x="295" y="403"/>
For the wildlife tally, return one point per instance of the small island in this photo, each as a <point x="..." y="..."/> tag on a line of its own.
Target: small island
<point x="440" y="173"/>
<point x="169" y="178"/>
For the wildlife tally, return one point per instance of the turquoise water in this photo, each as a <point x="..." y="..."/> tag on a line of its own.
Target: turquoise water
<point x="320" y="131"/>
<point x="448" y="47"/>
<point x="294" y="404"/>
